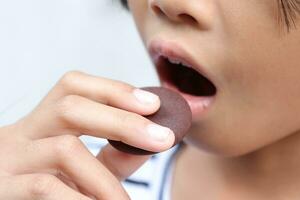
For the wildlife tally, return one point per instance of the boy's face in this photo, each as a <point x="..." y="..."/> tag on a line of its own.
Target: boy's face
<point x="247" y="55"/>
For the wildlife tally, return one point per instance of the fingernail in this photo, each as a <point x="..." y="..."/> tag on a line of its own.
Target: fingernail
<point x="159" y="133"/>
<point x="145" y="97"/>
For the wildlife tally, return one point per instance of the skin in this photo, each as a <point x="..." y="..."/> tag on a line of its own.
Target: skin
<point x="247" y="145"/>
<point x="42" y="157"/>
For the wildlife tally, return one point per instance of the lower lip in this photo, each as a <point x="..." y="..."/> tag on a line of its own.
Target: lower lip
<point x="199" y="105"/>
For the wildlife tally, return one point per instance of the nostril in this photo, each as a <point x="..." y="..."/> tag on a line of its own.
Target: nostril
<point x="179" y="17"/>
<point x="157" y="10"/>
<point x="187" y="18"/>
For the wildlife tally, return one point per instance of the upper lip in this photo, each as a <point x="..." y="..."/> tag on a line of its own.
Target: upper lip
<point x="172" y="50"/>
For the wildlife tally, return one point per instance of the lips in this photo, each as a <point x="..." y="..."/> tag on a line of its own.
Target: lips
<point x="179" y="72"/>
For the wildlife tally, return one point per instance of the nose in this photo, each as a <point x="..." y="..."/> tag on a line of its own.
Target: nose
<point x="194" y="12"/>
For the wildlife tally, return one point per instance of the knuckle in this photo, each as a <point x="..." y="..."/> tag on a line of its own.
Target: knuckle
<point x="67" y="145"/>
<point x="116" y="84"/>
<point x="66" y="106"/>
<point x="69" y="78"/>
<point x="126" y="121"/>
<point x="42" y="185"/>
<point x="124" y="86"/>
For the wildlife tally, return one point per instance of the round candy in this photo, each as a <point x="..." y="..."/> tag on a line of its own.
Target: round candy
<point x="174" y="113"/>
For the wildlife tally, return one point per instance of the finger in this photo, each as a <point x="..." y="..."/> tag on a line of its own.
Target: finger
<point x="106" y="91"/>
<point x="66" y="180"/>
<point x="121" y="164"/>
<point x="77" y="115"/>
<point x="69" y="155"/>
<point x="36" y="187"/>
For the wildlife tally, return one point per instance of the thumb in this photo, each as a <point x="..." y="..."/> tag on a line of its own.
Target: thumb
<point x="121" y="164"/>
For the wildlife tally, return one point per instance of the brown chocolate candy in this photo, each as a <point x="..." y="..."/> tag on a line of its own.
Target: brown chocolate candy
<point x="173" y="113"/>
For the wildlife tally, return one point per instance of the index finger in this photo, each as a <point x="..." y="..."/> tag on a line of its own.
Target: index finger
<point x="106" y="91"/>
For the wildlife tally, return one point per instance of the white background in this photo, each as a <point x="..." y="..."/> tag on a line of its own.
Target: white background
<point x="42" y="39"/>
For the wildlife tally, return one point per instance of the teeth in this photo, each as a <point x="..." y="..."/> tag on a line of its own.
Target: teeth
<point x="178" y="62"/>
<point x="187" y="65"/>
<point x="174" y="61"/>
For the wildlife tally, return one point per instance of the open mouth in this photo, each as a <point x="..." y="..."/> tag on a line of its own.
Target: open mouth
<point x="184" y="78"/>
<point x="178" y="71"/>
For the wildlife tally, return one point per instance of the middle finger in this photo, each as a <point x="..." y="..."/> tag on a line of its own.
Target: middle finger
<point x="77" y="115"/>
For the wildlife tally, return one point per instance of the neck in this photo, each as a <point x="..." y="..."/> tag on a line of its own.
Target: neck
<point x="274" y="165"/>
<point x="273" y="168"/>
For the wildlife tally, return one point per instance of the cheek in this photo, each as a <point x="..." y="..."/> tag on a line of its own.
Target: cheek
<point x="139" y="10"/>
<point x="259" y="101"/>
<point x="265" y="84"/>
<point x="239" y="125"/>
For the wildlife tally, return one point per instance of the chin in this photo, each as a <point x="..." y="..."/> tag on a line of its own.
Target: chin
<point x="218" y="144"/>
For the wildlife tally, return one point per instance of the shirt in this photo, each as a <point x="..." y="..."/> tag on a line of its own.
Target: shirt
<point x="150" y="182"/>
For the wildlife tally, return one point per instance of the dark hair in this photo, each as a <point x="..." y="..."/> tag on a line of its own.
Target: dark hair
<point x="289" y="12"/>
<point x="124" y="3"/>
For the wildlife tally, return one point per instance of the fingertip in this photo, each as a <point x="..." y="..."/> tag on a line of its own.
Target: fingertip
<point x="164" y="143"/>
<point x="149" y="101"/>
<point x="154" y="138"/>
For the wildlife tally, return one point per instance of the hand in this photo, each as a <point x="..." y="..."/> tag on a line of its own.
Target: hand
<point x="41" y="156"/>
